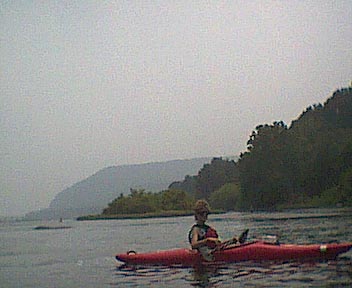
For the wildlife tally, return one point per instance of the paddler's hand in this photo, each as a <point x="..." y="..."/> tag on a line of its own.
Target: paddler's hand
<point x="213" y="242"/>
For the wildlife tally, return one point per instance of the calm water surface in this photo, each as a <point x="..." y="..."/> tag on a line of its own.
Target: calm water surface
<point x="83" y="256"/>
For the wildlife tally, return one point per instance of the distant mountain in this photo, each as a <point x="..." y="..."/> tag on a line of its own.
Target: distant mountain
<point x="94" y="193"/>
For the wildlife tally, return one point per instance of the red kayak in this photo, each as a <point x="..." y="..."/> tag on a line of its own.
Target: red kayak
<point x="255" y="251"/>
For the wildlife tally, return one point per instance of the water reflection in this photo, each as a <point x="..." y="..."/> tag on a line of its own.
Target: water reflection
<point x="149" y="276"/>
<point x="268" y="274"/>
<point x="336" y="273"/>
<point x="203" y="276"/>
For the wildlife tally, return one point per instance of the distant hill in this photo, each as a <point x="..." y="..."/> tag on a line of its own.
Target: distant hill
<point x="93" y="194"/>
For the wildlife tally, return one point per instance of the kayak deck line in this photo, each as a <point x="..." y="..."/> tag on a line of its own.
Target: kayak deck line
<point x="251" y="251"/>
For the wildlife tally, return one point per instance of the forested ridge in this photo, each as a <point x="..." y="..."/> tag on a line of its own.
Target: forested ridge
<point x="308" y="164"/>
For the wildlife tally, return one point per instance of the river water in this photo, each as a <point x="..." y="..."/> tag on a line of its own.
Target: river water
<point x="83" y="256"/>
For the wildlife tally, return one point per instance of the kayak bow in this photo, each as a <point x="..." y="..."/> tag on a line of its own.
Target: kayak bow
<point x="252" y="251"/>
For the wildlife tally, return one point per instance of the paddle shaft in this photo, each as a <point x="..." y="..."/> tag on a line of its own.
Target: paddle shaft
<point x="241" y="240"/>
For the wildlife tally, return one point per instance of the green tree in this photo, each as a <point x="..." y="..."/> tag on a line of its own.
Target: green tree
<point x="285" y="165"/>
<point x="228" y="197"/>
<point x="176" y="200"/>
<point x="189" y="185"/>
<point x="262" y="173"/>
<point x="139" y="202"/>
<point x="345" y="188"/>
<point x="214" y="175"/>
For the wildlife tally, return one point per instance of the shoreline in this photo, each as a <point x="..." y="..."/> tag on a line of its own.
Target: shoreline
<point x="161" y="214"/>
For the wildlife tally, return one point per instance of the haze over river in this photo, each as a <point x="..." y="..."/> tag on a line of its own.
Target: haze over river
<point x="83" y="256"/>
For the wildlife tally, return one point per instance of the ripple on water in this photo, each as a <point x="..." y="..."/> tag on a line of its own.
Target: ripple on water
<point x="248" y="274"/>
<point x="84" y="256"/>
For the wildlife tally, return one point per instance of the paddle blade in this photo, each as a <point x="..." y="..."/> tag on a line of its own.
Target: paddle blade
<point x="243" y="236"/>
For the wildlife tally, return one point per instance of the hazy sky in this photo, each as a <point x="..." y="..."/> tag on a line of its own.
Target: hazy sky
<point x="89" y="84"/>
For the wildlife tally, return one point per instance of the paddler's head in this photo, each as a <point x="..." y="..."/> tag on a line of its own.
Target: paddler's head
<point x="201" y="210"/>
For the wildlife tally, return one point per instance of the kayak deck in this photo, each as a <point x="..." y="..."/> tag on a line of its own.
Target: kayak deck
<point x="252" y="251"/>
<point x="260" y="251"/>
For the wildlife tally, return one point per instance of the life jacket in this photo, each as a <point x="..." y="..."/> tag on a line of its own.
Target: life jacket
<point x="205" y="231"/>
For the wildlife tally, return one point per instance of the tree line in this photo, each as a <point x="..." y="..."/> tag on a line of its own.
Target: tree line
<point x="308" y="164"/>
<point x="141" y="201"/>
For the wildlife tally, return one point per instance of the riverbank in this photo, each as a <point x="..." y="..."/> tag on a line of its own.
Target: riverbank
<point x="160" y="214"/>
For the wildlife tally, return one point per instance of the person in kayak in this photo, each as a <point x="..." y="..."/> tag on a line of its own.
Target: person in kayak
<point x="204" y="238"/>
<point x="201" y="234"/>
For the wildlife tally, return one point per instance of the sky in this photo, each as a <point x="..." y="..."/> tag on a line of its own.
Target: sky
<point x="89" y="84"/>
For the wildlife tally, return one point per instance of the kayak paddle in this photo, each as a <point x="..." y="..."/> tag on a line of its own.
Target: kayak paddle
<point x="242" y="239"/>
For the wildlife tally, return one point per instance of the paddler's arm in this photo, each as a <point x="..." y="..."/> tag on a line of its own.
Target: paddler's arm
<point x="199" y="243"/>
